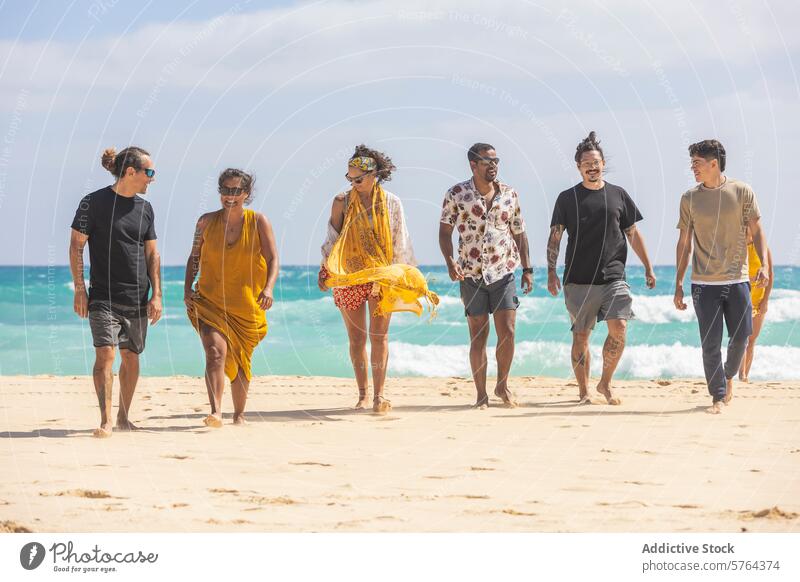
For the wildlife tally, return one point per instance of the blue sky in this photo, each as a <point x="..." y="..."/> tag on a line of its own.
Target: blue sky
<point x="287" y="89"/>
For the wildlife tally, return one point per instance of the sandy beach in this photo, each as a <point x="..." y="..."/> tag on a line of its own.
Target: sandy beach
<point x="306" y="462"/>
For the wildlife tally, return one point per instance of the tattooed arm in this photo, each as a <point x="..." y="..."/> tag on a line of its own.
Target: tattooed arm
<point x="553" y="248"/>
<point x="80" y="303"/>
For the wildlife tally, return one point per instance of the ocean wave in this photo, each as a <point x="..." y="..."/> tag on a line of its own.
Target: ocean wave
<point x="553" y="359"/>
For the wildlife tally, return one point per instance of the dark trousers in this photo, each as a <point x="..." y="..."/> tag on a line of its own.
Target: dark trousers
<point x="712" y="303"/>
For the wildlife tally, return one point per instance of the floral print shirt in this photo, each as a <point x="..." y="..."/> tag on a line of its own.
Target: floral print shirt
<point x="486" y="247"/>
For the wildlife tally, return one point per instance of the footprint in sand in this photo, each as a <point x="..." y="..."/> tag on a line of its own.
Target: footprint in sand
<point x="312" y="463"/>
<point x="178" y="505"/>
<point x="86" y="493"/>
<point x="663" y="382"/>
<point x="13" y="527"/>
<point x="481" y="469"/>
<point x="178" y="457"/>
<point x="283" y="500"/>
<point x="220" y="490"/>
<point x="439" y="476"/>
<point x="770" y="513"/>
<point x="686" y="506"/>
<point x="515" y="512"/>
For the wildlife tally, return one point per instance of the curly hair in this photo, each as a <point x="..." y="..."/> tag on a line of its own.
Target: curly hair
<point x="709" y="149"/>
<point x="385" y="166"/>
<point x="247" y="182"/>
<point x="117" y="163"/>
<point x="589" y="144"/>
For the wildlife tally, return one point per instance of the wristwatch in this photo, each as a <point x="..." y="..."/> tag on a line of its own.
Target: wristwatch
<point x="526" y="270"/>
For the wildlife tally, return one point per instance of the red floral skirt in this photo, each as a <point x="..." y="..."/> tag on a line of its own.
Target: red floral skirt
<point x="350" y="298"/>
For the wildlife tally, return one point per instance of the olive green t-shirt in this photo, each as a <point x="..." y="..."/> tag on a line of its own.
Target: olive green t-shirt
<point x="718" y="218"/>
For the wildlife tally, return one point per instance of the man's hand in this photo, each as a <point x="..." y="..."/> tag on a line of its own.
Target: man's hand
<point x="154" y="310"/>
<point x="650" y="279"/>
<point x="455" y="272"/>
<point x="553" y="283"/>
<point x="265" y="299"/>
<point x="80" y="303"/>
<point x="678" y="299"/>
<point x="527" y="283"/>
<point x="762" y="277"/>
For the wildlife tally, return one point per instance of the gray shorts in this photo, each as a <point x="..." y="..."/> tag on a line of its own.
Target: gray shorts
<point x="588" y="304"/>
<point x="118" y="325"/>
<point x="482" y="299"/>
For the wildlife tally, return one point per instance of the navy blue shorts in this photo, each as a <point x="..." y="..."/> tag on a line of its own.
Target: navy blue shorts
<point x="482" y="299"/>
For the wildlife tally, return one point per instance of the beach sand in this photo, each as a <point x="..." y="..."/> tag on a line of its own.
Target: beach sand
<point x="305" y="462"/>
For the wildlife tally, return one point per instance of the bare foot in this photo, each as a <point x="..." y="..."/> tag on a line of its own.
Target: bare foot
<point x="715" y="408"/>
<point x="585" y="399"/>
<point x="363" y="401"/>
<point x="125" y="425"/>
<point x="728" y="391"/>
<point x="213" y="421"/>
<point x="506" y="396"/>
<point x="238" y="419"/>
<point x="482" y="403"/>
<point x="380" y="405"/>
<point x="610" y="398"/>
<point x="103" y="432"/>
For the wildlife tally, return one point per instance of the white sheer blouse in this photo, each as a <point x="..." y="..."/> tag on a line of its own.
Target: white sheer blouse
<point x="401" y="241"/>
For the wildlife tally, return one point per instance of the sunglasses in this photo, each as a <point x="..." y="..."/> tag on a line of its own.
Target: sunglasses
<point x="358" y="179"/>
<point x="149" y="172"/>
<point x="494" y="161"/>
<point x="231" y="191"/>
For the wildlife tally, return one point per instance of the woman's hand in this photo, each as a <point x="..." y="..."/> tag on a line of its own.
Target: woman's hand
<point x="188" y="298"/>
<point x="323" y="274"/>
<point x="265" y="299"/>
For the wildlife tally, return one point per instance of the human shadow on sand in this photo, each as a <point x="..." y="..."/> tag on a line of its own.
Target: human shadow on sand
<point x="52" y="433"/>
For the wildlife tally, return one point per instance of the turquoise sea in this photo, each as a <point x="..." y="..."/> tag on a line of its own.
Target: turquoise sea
<point x="40" y="334"/>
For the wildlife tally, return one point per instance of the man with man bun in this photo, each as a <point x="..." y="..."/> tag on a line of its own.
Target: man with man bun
<point x="598" y="217"/>
<point x="124" y="265"/>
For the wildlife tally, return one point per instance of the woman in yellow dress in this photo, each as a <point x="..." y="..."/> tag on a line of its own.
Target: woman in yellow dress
<point x="234" y="250"/>
<point x="760" y="299"/>
<point x="368" y="260"/>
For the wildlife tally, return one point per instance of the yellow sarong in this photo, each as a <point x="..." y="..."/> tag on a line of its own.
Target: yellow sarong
<point x="231" y="278"/>
<point x="363" y="254"/>
<point x="754" y="264"/>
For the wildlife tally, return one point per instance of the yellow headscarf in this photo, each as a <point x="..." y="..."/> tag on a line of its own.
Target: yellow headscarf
<point x="363" y="253"/>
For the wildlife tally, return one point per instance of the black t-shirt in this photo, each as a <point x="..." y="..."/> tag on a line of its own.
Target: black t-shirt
<point x="595" y="221"/>
<point x="117" y="227"/>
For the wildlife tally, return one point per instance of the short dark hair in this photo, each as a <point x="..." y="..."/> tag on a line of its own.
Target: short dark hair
<point x="474" y="152"/>
<point x="589" y="144"/>
<point x="247" y="181"/>
<point x="385" y="167"/>
<point x="709" y="149"/>
<point x="117" y="163"/>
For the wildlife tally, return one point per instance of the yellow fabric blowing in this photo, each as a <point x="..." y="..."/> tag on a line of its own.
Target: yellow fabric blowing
<point x="363" y="254"/>
<point x="754" y="264"/>
<point x="231" y="279"/>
